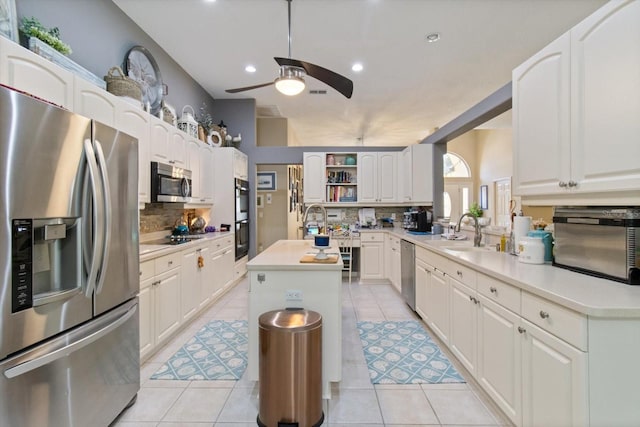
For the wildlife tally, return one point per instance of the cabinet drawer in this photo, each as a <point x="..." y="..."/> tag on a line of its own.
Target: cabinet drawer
<point x="433" y="259"/>
<point x="146" y="270"/>
<point x="167" y="262"/>
<point x="461" y="273"/>
<point x="371" y="237"/>
<point x="504" y="294"/>
<point x="221" y="243"/>
<point x="560" y="321"/>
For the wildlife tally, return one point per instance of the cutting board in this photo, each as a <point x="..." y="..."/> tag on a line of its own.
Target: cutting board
<point x="311" y="258"/>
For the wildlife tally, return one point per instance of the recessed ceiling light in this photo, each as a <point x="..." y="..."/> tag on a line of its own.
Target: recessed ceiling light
<point x="357" y="67"/>
<point x="432" y="38"/>
<point x="250" y="69"/>
<point x="209" y="1"/>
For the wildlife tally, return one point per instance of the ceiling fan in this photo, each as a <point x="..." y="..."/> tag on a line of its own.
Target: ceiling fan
<point x="292" y="72"/>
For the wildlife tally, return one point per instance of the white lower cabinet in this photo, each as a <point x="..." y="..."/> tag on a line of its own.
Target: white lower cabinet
<point x="174" y="288"/>
<point x="463" y="336"/>
<point x="392" y="264"/>
<point x="499" y="357"/>
<point x="371" y="256"/>
<point x="438" y="295"/>
<point x="554" y="380"/>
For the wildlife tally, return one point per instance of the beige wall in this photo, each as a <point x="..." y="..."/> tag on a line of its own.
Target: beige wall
<point x="272" y="132"/>
<point x="272" y="217"/>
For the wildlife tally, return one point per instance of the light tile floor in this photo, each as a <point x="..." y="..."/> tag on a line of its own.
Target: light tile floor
<point x="355" y="401"/>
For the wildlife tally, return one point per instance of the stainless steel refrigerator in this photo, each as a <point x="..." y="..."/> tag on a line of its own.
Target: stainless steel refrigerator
<point x="69" y="331"/>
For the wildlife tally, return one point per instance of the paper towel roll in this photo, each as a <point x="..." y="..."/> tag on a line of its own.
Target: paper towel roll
<point x="521" y="226"/>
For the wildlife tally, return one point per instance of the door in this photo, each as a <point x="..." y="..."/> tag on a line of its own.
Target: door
<point x="605" y="89"/>
<point x="119" y="271"/>
<point x="40" y="221"/>
<point x="457" y="197"/>
<point x="500" y="357"/>
<point x="554" y="390"/>
<point x="60" y="381"/>
<point x="541" y="135"/>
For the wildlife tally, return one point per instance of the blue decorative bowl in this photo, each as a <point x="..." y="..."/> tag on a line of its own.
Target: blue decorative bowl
<point x="321" y="240"/>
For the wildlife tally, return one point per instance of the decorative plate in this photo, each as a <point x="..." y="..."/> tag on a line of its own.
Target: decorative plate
<point x="140" y="66"/>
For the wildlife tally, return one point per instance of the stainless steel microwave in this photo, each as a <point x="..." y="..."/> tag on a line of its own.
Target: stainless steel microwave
<point x="170" y="184"/>
<point x="600" y="241"/>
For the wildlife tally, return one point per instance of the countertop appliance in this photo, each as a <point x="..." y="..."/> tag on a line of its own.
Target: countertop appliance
<point x="407" y="273"/>
<point x="600" y="241"/>
<point x="170" y="184"/>
<point x="69" y="346"/>
<point x="418" y="220"/>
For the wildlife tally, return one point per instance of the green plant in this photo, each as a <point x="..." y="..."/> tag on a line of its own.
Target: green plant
<point x="33" y="28"/>
<point x="475" y="210"/>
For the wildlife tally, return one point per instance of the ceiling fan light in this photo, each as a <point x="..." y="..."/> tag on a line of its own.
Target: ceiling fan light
<point x="290" y="85"/>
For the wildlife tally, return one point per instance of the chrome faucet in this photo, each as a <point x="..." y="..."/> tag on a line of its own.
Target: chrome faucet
<point x="324" y="215"/>
<point x="477" y="237"/>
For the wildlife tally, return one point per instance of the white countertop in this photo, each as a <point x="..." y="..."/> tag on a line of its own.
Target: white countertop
<point x="580" y="292"/>
<point x="286" y="254"/>
<point x="149" y="249"/>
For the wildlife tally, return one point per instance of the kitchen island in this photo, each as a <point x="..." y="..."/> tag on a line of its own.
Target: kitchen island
<point x="277" y="280"/>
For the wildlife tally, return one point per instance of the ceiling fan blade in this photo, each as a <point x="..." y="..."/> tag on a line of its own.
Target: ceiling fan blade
<point x="335" y="80"/>
<point x="242" y="89"/>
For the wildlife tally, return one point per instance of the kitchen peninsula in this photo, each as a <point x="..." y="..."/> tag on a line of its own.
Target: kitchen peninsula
<point x="277" y="280"/>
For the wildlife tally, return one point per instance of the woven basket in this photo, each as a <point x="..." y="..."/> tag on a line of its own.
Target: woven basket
<point x="122" y="85"/>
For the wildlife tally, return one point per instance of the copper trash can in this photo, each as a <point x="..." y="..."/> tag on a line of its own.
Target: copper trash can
<point x="290" y="368"/>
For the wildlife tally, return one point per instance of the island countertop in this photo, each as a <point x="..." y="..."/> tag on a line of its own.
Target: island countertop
<point x="286" y="254"/>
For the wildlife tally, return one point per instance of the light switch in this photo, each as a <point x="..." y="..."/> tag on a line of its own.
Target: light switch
<point x="268" y="198"/>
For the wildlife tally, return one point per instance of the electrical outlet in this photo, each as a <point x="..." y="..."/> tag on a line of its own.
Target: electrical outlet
<point x="293" y="295"/>
<point x="393" y="216"/>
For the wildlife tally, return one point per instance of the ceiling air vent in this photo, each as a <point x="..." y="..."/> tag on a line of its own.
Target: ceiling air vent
<point x="318" y="92"/>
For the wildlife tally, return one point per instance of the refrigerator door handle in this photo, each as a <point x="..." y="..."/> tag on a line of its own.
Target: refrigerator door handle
<point x="106" y="191"/>
<point x="51" y="357"/>
<point x="98" y="219"/>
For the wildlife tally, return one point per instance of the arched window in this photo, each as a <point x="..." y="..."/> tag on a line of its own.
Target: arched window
<point x="458" y="186"/>
<point x="455" y="166"/>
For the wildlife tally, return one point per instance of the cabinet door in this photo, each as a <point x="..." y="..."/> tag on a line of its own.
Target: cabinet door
<point x="438" y="304"/>
<point x="135" y="122"/>
<point x="463" y="337"/>
<point x="206" y="174"/>
<point x="240" y="165"/>
<point x="372" y="260"/>
<point x="94" y="102"/>
<point x="193" y="164"/>
<point x="422" y="278"/>
<point x="167" y="304"/>
<point x="387" y="176"/>
<point x="24" y="70"/>
<point x="178" y="148"/>
<point x="190" y="287"/>
<point x="541" y="138"/>
<point x="218" y="267"/>
<point x="227" y="273"/>
<point x="396" y="270"/>
<point x="159" y="143"/>
<point x="314" y="177"/>
<point x="145" y="304"/>
<point x="554" y="381"/>
<point x="605" y="99"/>
<point x="407" y="175"/>
<point x="202" y="296"/>
<point x="367" y="177"/>
<point x="500" y="357"/>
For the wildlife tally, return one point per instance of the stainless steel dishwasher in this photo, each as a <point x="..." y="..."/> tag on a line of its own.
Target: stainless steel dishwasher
<point x="407" y="273"/>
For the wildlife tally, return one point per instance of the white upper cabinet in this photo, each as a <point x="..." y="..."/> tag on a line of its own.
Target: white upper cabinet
<point x="200" y="163"/>
<point x="605" y="101"/>
<point x="24" y="70"/>
<point x="94" y="102"/>
<point x="314" y="177"/>
<point x="135" y="121"/>
<point x="193" y="164"/>
<point x="159" y="143"/>
<point x="417" y="174"/>
<point x="240" y="165"/>
<point x="377" y="177"/>
<point x="541" y="120"/>
<point x="576" y="105"/>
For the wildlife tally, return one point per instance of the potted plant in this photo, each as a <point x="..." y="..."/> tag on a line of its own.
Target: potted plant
<point x="31" y="27"/>
<point x="477" y="213"/>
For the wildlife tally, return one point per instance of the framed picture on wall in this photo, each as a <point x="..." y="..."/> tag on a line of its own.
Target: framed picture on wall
<point x="9" y="19"/>
<point x="484" y="197"/>
<point x="266" y="181"/>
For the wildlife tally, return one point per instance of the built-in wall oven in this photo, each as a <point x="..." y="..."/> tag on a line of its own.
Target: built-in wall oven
<point x="242" y="218"/>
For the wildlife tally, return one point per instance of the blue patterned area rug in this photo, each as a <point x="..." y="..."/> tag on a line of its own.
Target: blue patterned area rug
<point x="217" y="352"/>
<point x="404" y="353"/>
